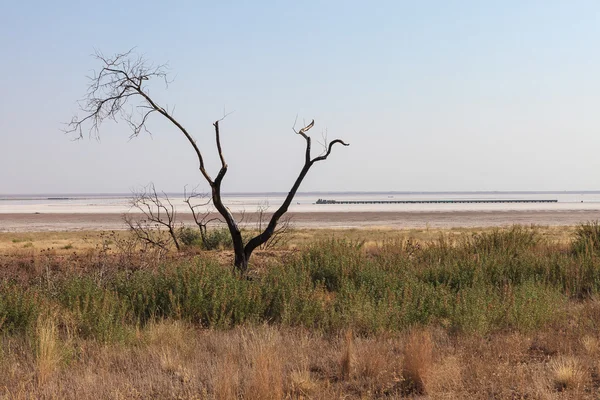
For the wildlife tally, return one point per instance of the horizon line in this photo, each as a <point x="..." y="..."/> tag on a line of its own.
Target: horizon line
<point x="124" y="194"/>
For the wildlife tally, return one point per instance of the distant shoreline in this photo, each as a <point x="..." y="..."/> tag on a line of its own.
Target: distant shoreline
<point x="30" y="222"/>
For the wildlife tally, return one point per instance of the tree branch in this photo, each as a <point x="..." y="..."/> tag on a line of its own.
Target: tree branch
<point x="324" y="157"/>
<point x="121" y="79"/>
<point x="264" y="236"/>
<point x="223" y="169"/>
<point x="152" y="207"/>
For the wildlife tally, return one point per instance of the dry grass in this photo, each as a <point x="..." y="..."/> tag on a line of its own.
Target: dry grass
<point x="265" y="379"/>
<point x="68" y="241"/>
<point x="171" y="359"/>
<point x="62" y="242"/>
<point x="348" y="359"/>
<point x="301" y="383"/>
<point x="418" y="358"/>
<point x="48" y="355"/>
<point x="567" y="373"/>
<point x="591" y="345"/>
<point x="226" y="378"/>
<point x="445" y="378"/>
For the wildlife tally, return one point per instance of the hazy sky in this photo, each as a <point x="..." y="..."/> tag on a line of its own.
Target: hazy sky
<point x="432" y="95"/>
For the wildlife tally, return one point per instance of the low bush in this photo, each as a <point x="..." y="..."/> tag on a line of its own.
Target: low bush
<point x="189" y="236"/>
<point x="499" y="280"/>
<point x="218" y="239"/>
<point x="19" y="308"/>
<point x="214" y="239"/>
<point x="587" y="238"/>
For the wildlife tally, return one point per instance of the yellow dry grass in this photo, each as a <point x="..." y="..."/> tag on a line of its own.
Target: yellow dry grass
<point x="48" y="355"/>
<point x="69" y="241"/>
<point x="348" y="359"/>
<point x="418" y="354"/>
<point x="172" y="359"/>
<point x="567" y="373"/>
<point x="64" y="242"/>
<point x="591" y="345"/>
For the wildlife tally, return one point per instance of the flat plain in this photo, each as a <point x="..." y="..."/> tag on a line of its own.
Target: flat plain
<point x="20" y="222"/>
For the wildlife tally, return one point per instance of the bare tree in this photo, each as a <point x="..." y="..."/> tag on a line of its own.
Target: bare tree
<point x="157" y="214"/>
<point x="154" y="220"/>
<point x="119" y="90"/>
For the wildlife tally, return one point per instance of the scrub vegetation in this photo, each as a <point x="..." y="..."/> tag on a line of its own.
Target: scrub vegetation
<point x="496" y="313"/>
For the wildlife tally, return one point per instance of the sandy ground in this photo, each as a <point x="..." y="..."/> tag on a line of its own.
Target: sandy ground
<point x="76" y="222"/>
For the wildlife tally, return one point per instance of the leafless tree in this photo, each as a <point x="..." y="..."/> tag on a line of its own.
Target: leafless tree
<point x="119" y="90"/>
<point x="157" y="214"/>
<point x="154" y="221"/>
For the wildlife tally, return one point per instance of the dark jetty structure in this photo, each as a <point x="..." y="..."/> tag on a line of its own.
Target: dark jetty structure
<point x="325" y="201"/>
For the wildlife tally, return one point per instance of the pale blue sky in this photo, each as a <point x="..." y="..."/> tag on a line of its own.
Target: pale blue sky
<point x="432" y="95"/>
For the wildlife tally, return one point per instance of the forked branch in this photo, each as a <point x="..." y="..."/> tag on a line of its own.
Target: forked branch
<point x="308" y="163"/>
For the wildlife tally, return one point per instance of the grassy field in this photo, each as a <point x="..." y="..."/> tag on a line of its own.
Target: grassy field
<point x="509" y="313"/>
<point x="297" y="238"/>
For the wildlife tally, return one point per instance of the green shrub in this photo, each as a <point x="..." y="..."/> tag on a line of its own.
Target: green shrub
<point x="515" y="239"/>
<point x="493" y="281"/>
<point x="587" y="238"/>
<point x="214" y="239"/>
<point x="97" y="312"/>
<point x="189" y="236"/>
<point x="218" y="238"/>
<point x="202" y="292"/>
<point x="533" y="304"/>
<point x="330" y="262"/>
<point x="19" y="309"/>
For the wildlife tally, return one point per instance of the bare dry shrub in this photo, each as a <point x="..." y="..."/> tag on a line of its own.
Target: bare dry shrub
<point x="301" y="383"/>
<point x="567" y="373"/>
<point x="418" y="354"/>
<point x="167" y="333"/>
<point x="445" y="377"/>
<point x="227" y="378"/>
<point x="378" y="362"/>
<point x="590" y="344"/>
<point x="348" y="359"/>
<point x="372" y="360"/>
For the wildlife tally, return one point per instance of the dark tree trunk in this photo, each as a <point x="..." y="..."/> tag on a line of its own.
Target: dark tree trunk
<point x="240" y="263"/>
<point x="240" y="260"/>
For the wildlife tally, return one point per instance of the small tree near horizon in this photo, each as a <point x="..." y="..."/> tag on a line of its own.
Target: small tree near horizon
<point x="119" y="91"/>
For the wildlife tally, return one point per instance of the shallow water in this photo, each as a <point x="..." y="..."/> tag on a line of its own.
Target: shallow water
<point x="305" y="202"/>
